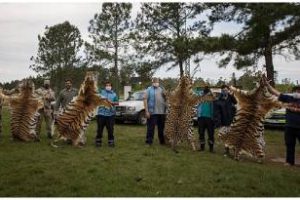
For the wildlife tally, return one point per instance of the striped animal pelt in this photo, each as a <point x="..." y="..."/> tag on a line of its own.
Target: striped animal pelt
<point x="1" y="103"/>
<point x="179" y="121"/>
<point x="246" y="133"/>
<point x="24" y="112"/>
<point x="73" y="121"/>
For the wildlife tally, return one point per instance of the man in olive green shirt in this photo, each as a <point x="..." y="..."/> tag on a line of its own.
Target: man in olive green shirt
<point x="65" y="96"/>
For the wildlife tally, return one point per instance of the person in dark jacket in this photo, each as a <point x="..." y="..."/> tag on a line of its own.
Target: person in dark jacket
<point x="225" y="109"/>
<point x="292" y="129"/>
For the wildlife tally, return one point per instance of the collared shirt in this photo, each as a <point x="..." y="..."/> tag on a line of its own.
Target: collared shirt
<point x="111" y="96"/>
<point x="155" y="100"/>
<point x="65" y="97"/>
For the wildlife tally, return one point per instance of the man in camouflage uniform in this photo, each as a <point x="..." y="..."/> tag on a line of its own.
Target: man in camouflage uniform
<point x="48" y="96"/>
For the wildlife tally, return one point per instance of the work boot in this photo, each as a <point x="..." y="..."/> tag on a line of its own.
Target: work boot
<point x="98" y="143"/>
<point x="111" y="144"/>
<point x="211" y="148"/>
<point x="202" y="147"/>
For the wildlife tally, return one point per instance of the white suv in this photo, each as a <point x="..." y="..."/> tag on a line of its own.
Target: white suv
<point x="132" y="109"/>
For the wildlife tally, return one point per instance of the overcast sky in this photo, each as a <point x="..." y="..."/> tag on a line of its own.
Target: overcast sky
<point x="20" y="24"/>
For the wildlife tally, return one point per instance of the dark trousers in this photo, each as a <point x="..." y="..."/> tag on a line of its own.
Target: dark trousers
<point x="203" y="124"/>
<point x="290" y="136"/>
<point x="158" y="120"/>
<point x="108" y="122"/>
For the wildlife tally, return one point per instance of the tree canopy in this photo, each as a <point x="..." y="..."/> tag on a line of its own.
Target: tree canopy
<point x="58" y="51"/>
<point x="110" y="34"/>
<point x="267" y="29"/>
<point x="164" y="30"/>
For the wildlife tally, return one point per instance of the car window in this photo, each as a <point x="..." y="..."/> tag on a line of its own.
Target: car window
<point x="137" y="96"/>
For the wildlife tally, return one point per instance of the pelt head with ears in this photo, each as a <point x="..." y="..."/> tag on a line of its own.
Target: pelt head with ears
<point x="245" y="134"/>
<point x="73" y="121"/>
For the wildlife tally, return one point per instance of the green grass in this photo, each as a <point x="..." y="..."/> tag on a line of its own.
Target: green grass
<point x="132" y="169"/>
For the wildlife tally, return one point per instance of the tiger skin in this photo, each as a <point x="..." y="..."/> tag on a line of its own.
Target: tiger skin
<point x="24" y="107"/>
<point x="179" y="120"/>
<point x="73" y="121"/>
<point x="246" y="133"/>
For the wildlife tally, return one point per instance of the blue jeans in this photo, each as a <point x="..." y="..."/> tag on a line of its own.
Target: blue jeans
<point x="159" y="120"/>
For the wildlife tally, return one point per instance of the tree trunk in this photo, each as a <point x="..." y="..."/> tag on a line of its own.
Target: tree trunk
<point x="116" y="44"/>
<point x="269" y="58"/>
<point x="115" y="75"/>
<point x="269" y="64"/>
<point x="180" y="62"/>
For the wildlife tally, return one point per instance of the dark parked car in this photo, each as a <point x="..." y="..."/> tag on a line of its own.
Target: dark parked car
<point x="276" y="119"/>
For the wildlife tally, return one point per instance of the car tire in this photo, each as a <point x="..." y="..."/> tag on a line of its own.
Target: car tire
<point x="118" y="121"/>
<point x="142" y="120"/>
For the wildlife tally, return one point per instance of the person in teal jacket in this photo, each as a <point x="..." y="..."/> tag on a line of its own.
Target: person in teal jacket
<point x="205" y="116"/>
<point x="106" y="116"/>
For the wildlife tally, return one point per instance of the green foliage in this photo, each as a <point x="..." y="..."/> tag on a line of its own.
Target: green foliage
<point x="248" y="80"/>
<point x="262" y="35"/>
<point x="145" y="71"/>
<point x="126" y="72"/>
<point x="110" y="34"/>
<point x="285" y="88"/>
<point x="132" y="169"/>
<point x="58" y="48"/>
<point x="58" y="51"/>
<point x="169" y="83"/>
<point x="164" y="31"/>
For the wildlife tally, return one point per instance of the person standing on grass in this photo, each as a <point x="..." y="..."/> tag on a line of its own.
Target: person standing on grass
<point x="47" y="94"/>
<point x="65" y="96"/>
<point x="292" y="129"/>
<point x="225" y="110"/>
<point x="106" y="116"/>
<point x="205" y="114"/>
<point x="155" y="110"/>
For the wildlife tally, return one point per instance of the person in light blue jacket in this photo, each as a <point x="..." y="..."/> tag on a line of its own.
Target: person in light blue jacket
<point x="106" y="116"/>
<point x="155" y="110"/>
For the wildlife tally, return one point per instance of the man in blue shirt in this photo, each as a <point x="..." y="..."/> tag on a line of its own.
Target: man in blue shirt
<point x="155" y="110"/>
<point x="292" y="129"/>
<point x="106" y="116"/>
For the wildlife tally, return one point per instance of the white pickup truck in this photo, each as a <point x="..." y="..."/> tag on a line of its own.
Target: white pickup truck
<point x="132" y="109"/>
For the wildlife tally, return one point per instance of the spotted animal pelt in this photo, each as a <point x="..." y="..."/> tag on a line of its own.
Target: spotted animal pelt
<point x="24" y="112"/>
<point x="73" y="121"/>
<point x="179" y="120"/>
<point x="246" y="133"/>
